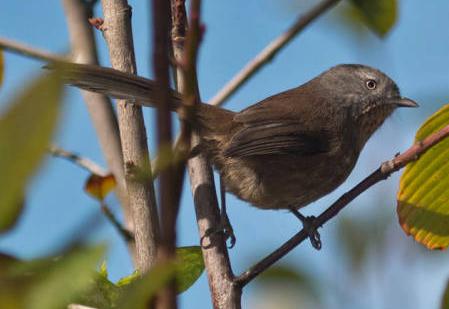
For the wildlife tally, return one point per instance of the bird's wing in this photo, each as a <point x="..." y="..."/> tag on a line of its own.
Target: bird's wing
<point x="277" y="126"/>
<point x="276" y="138"/>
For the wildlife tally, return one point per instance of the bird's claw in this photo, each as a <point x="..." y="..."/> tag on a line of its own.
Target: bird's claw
<point x="314" y="236"/>
<point x="307" y="223"/>
<point x="224" y="227"/>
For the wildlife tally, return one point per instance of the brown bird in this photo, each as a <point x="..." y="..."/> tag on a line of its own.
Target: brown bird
<point x="289" y="149"/>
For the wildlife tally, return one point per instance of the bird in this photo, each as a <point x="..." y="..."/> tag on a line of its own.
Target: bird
<point x="287" y="150"/>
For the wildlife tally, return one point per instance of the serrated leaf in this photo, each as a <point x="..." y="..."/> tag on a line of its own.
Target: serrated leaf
<point x="102" y="294"/>
<point x="190" y="266"/>
<point x="99" y="186"/>
<point x="140" y="292"/>
<point x="380" y="15"/>
<point x="103" y="272"/>
<point x="423" y="197"/>
<point x="25" y="132"/>
<point x="134" y="291"/>
<point x="128" y="279"/>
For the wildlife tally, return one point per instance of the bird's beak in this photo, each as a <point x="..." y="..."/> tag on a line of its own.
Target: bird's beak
<point x="403" y="102"/>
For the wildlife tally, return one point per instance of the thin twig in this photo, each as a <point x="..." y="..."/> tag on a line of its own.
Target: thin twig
<point x="268" y="53"/>
<point x="118" y="226"/>
<point x="383" y="172"/>
<point x="85" y="163"/>
<point x="28" y="51"/>
<point x="118" y="35"/>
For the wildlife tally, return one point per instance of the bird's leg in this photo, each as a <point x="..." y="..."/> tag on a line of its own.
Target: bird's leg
<point x="225" y="226"/>
<point x="307" y="222"/>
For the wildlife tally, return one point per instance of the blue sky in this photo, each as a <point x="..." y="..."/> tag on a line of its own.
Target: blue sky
<point x="415" y="54"/>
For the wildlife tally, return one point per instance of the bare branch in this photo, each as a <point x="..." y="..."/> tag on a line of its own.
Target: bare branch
<point x="32" y="52"/>
<point x="223" y="292"/>
<point x="268" y="53"/>
<point x="170" y="179"/>
<point x="382" y="173"/>
<point x="125" y="233"/>
<point x="99" y="106"/>
<point x="118" y="35"/>
<point x="85" y="163"/>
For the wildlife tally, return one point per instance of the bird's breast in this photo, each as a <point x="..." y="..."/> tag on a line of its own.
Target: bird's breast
<point x="277" y="182"/>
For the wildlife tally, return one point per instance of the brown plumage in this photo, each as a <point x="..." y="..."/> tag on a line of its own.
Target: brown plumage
<point x="287" y="150"/>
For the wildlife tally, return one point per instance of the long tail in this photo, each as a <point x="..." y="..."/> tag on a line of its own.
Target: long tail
<point x="114" y="83"/>
<point x="212" y="120"/>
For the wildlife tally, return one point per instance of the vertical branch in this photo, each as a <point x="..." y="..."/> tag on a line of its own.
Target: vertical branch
<point x="170" y="178"/>
<point x="99" y="106"/>
<point x="118" y="35"/>
<point x="223" y="292"/>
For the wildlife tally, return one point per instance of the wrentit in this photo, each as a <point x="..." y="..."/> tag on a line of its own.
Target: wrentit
<point x="288" y="150"/>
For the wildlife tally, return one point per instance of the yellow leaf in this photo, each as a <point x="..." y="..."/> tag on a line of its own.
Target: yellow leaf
<point x="99" y="186"/>
<point x="423" y="197"/>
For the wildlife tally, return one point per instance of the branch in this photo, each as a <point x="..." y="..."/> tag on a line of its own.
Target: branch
<point x="118" y="35"/>
<point x="99" y="106"/>
<point x="383" y="172"/>
<point x="85" y="163"/>
<point x="268" y="53"/>
<point x="171" y="177"/>
<point x="220" y="277"/>
<point x="125" y="233"/>
<point x="32" y="52"/>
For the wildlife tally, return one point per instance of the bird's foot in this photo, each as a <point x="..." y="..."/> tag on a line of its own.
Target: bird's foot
<point x="308" y="226"/>
<point x="224" y="227"/>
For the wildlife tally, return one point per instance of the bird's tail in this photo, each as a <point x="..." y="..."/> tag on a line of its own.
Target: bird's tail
<point x="142" y="91"/>
<point x="114" y="83"/>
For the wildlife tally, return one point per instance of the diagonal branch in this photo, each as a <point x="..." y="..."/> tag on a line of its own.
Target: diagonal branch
<point x="28" y="51"/>
<point x="270" y="51"/>
<point x="85" y="163"/>
<point x="383" y="172"/>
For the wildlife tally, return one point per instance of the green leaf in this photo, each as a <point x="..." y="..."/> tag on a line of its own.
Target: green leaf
<point x="25" y="132"/>
<point x="140" y="292"/>
<point x="128" y="279"/>
<point x="423" y="197"/>
<point x="134" y="291"/>
<point x="49" y="283"/>
<point x="103" y="270"/>
<point x="189" y="268"/>
<point x="102" y="294"/>
<point x="379" y="15"/>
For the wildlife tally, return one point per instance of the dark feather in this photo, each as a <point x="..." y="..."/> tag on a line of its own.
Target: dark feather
<point x="276" y="138"/>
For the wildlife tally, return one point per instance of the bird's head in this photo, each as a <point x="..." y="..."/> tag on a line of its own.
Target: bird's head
<point x="369" y="95"/>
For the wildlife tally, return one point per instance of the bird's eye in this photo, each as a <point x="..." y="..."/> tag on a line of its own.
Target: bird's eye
<point x="371" y="84"/>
